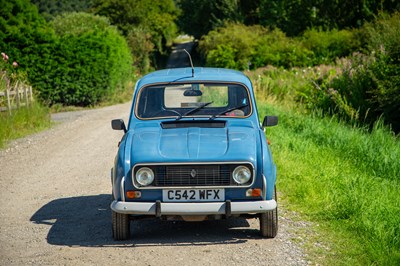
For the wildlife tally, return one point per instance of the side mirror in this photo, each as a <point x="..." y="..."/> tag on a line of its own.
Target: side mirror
<point x="270" y="121"/>
<point x="118" y="124"/>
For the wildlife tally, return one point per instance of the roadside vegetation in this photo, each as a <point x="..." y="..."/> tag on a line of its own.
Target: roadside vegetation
<point x="23" y="122"/>
<point x="249" y="47"/>
<point x="337" y="152"/>
<point x="357" y="74"/>
<point x="342" y="179"/>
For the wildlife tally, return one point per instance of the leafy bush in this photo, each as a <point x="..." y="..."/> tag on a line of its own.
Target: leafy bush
<point x="340" y="92"/>
<point x="274" y="48"/>
<point x="84" y="62"/>
<point x="24" y="34"/>
<point x="242" y="47"/>
<point x="223" y="56"/>
<point x="369" y="86"/>
<point x="256" y="46"/>
<point x="384" y="97"/>
<point x="329" y="45"/>
<point x="139" y="41"/>
<point x="384" y="42"/>
<point x="88" y="62"/>
<point x="239" y="41"/>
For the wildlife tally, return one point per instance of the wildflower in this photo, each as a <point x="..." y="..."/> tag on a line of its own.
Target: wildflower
<point x="332" y="91"/>
<point x="5" y="57"/>
<point x="15" y="64"/>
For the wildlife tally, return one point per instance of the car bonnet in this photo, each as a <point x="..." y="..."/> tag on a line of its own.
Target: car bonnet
<point x="152" y="143"/>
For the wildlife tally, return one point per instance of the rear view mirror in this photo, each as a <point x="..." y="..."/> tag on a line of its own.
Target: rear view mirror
<point x="192" y="93"/>
<point x="270" y="121"/>
<point x="118" y="124"/>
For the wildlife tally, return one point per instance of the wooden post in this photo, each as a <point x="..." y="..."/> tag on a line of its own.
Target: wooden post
<point x="26" y="96"/>
<point x="31" y="95"/>
<point x="8" y="100"/>
<point x="17" y="90"/>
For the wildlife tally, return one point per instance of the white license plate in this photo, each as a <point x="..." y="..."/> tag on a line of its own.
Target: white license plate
<point x="188" y="195"/>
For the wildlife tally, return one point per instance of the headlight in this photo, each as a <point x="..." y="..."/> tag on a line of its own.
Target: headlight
<point x="145" y="176"/>
<point x="241" y="175"/>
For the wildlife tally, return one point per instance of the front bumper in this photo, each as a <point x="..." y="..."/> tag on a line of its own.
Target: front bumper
<point x="192" y="208"/>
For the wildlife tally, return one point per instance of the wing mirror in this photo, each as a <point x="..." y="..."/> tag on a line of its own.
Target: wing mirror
<point x="270" y="121"/>
<point x="118" y="124"/>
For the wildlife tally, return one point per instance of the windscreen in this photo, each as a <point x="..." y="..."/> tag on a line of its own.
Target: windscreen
<point x="193" y="100"/>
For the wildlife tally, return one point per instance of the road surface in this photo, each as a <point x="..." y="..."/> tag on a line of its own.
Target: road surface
<point x="54" y="208"/>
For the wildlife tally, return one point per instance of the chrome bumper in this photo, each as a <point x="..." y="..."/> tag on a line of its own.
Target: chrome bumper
<point x="189" y="208"/>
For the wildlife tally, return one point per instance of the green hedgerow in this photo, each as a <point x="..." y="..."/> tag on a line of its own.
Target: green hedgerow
<point x="88" y="62"/>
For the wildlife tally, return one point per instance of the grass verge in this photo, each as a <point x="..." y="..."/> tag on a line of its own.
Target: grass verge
<point x="36" y="118"/>
<point x="345" y="180"/>
<point x="22" y="122"/>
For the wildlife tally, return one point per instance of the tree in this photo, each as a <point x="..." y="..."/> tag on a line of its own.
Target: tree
<point x="155" y="17"/>
<point x="198" y="17"/>
<point x="295" y="16"/>
<point x="51" y="8"/>
<point x="249" y="11"/>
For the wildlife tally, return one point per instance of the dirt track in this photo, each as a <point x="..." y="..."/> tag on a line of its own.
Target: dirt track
<point x="54" y="208"/>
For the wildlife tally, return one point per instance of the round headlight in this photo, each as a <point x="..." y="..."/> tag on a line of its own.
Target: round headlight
<point x="145" y="176"/>
<point x="241" y="175"/>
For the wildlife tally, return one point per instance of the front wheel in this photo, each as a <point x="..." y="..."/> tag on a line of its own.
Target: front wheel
<point x="269" y="221"/>
<point x="120" y="226"/>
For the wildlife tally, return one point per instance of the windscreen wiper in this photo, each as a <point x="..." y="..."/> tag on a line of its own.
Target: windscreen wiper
<point x="194" y="110"/>
<point x="228" y="110"/>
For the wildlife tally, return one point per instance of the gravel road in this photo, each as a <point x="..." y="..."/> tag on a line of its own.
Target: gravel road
<point x="54" y="208"/>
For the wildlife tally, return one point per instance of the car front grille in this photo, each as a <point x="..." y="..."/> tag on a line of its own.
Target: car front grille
<point x="195" y="175"/>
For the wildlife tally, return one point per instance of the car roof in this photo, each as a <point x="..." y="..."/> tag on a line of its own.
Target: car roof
<point x="200" y="74"/>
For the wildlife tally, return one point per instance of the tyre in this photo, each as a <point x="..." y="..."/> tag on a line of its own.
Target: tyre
<point x="120" y="226"/>
<point x="269" y="221"/>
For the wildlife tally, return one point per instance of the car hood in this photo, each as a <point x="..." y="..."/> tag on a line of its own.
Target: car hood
<point x="152" y="143"/>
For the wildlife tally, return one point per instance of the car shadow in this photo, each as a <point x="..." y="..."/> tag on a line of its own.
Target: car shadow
<point x="86" y="221"/>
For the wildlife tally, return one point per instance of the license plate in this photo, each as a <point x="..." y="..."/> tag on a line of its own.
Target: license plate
<point x="188" y="195"/>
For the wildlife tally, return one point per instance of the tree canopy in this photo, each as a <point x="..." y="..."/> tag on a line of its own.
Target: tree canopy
<point x="51" y="8"/>
<point x="155" y="17"/>
<point x="198" y="17"/>
<point x="293" y="17"/>
<point x="296" y="16"/>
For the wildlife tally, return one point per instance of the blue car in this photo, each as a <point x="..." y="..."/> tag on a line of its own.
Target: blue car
<point x="193" y="150"/>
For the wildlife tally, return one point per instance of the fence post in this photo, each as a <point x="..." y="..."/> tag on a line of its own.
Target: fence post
<point x="26" y="96"/>
<point x="31" y="95"/>
<point x="17" y="91"/>
<point x="8" y="100"/>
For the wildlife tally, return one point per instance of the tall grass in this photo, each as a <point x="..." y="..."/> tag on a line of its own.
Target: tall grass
<point x="23" y="122"/>
<point x="345" y="179"/>
<point x="295" y="84"/>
